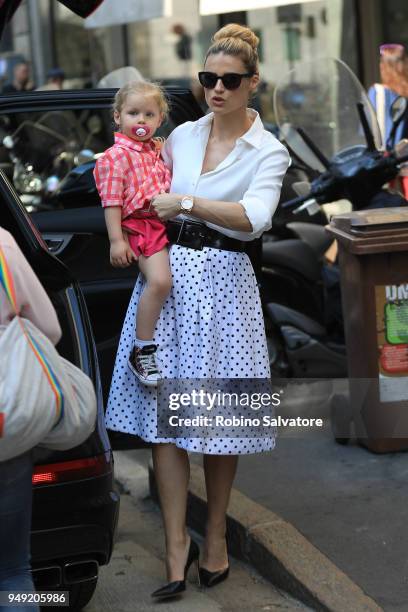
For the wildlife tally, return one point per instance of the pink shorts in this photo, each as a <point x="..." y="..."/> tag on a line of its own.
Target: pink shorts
<point x="146" y="236"/>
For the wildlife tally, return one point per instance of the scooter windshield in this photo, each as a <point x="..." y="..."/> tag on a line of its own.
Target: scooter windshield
<point x="321" y="98"/>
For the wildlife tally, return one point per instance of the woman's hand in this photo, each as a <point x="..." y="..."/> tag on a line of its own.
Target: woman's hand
<point x="166" y="205"/>
<point x="121" y="255"/>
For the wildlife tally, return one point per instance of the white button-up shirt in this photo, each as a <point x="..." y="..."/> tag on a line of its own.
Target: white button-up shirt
<point x="251" y="174"/>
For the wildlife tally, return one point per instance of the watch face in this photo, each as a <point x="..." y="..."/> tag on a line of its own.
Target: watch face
<point x="187" y="204"/>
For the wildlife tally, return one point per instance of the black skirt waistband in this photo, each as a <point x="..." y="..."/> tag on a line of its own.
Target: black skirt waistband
<point x="196" y="235"/>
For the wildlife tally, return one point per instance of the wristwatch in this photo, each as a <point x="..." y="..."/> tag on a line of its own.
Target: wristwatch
<point x="186" y="204"/>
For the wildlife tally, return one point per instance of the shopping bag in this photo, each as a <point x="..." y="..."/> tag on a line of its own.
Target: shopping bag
<point x="44" y="399"/>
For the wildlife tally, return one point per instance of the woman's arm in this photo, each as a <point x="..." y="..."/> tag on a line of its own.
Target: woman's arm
<point x="33" y="302"/>
<point x="252" y="214"/>
<point x="226" y="214"/>
<point x="231" y="215"/>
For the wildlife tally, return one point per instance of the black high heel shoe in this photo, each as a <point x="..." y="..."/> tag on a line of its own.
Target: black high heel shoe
<point x="210" y="579"/>
<point x="178" y="586"/>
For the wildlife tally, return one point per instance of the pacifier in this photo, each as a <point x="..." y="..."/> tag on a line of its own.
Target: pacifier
<point x="141" y="130"/>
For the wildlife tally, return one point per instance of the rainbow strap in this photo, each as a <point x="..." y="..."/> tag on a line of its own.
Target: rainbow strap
<point x="6" y="281"/>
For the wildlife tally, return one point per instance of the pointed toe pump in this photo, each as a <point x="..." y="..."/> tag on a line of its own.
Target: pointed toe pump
<point x="178" y="586"/>
<point x="210" y="579"/>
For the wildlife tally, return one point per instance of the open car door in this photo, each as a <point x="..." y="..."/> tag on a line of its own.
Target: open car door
<point x="47" y="145"/>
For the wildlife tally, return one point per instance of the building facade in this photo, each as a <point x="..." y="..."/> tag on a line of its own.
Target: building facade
<point x="171" y="48"/>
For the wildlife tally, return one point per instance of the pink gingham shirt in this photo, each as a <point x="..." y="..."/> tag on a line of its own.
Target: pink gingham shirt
<point x="129" y="174"/>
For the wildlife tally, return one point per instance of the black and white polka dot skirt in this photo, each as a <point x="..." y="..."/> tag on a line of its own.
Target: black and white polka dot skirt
<point x="211" y="326"/>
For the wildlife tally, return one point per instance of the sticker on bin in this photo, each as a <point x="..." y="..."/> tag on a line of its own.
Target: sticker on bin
<point x="394" y="359"/>
<point x="391" y="310"/>
<point x="393" y="388"/>
<point x="396" y="322"/>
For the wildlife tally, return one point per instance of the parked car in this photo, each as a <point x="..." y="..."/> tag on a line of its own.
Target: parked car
<point x="76" y="504"/>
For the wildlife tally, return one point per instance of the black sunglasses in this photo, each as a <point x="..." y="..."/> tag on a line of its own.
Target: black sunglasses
<point x="230" y="80"/>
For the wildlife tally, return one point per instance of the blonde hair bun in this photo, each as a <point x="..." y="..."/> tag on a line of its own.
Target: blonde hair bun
<point x="238" y="40"/>
<point x="234" y="30"/>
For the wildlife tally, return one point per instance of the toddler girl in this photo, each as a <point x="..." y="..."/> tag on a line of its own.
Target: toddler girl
<point x="128" y="175"/>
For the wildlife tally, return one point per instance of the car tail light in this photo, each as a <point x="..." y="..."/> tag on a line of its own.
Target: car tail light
<point x="77" y="469"/>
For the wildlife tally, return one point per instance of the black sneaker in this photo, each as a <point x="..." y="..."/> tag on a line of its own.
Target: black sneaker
<point x="142" y="362"/>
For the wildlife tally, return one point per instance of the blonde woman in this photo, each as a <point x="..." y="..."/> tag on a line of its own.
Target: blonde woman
<point x="227" y="176"/>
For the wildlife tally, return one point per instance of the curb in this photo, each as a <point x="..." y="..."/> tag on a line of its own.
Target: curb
<point x="276" y="550"/>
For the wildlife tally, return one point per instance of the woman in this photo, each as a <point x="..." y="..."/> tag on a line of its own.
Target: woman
<point x="394" y="83"/>
<point x="16" y="474"/>
<point x="227" y="172"/>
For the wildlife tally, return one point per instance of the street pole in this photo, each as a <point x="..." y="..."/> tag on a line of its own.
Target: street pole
<point x="125" y="39"/>
<point x="53" y="38"/>
<point x="36" y="41"/>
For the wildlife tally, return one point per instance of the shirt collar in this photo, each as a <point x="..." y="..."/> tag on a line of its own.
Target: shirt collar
<point x="253" y="136"/>
<point x="130" y="143"/>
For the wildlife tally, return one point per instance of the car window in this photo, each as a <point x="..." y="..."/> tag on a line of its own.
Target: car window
<point x="49" y="156"/>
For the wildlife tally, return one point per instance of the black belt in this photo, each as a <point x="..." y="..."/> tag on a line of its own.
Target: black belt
<point x="196" y="235"/>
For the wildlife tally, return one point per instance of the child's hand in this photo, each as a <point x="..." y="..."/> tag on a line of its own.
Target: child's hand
<point x="121" y="255"/>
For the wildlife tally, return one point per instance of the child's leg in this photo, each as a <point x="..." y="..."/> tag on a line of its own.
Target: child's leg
<point x="156" y="270"/>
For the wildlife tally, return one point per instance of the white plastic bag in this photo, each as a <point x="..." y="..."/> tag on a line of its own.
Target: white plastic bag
<point x="44" y="399"/>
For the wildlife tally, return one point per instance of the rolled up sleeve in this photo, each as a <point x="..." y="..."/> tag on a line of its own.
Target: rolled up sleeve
<point x="262" y="196"/>
<point x="110" y="180"/>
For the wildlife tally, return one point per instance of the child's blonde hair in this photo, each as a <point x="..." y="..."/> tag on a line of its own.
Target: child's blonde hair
<point x="146" y="88"/>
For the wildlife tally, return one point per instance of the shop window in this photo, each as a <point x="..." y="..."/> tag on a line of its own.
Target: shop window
<point x="395" y="19"/>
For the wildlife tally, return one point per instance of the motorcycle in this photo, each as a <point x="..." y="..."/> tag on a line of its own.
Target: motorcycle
<point x="340" y="140"/>
<point x="40" y="154"/>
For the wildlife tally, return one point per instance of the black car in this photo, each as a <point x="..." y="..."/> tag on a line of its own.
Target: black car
<point x="50" y="205"/>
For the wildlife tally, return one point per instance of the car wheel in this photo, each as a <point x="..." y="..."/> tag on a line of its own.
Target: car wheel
<point x="79" y="595"/>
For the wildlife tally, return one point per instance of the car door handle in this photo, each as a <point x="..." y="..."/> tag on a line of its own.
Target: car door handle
<point x="57" y="243"/>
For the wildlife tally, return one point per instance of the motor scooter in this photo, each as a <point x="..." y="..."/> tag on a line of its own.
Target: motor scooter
<point x="326" y="118"/>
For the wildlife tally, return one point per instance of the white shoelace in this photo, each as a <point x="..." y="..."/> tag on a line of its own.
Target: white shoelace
<point x="148" y="363"/>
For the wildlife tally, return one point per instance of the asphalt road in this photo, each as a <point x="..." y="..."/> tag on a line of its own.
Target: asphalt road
<point x="351" y="504"/>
